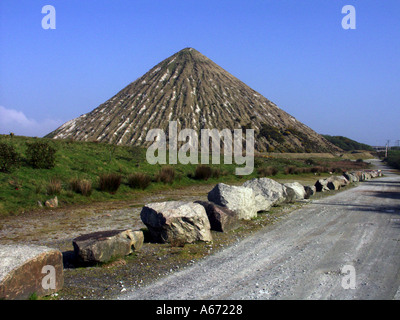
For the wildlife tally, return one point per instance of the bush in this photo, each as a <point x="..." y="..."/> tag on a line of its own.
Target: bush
<point x="83" y="187"/>
<point x="8" y="157"/>
<point x="109" y="182"/>
<point x="139" y="180"/>
<point x="166" y="175"/>
<point x="203" y="172"/>
<point x="54" y="186"/>
<point x="40" y="155"/>
<point x="267" y="171"/>
<point x="289" y="170"/>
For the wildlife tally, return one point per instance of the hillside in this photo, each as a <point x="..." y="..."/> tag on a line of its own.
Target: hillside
<point x="347" y="144"/>
<point x="191" y="89"/>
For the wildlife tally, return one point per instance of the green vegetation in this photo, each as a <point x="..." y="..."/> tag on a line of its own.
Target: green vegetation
<point x="393" y="159"/>
<point x="8" y="157"/>
<point x="85" y="172"/>
<point x="347" y="144"/>
<point x="271" y="133"/>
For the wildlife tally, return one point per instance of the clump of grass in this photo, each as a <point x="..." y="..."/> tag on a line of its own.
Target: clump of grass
<point x="138" y="180"/>
<point x="177" y="242"/>
<point x="53" y="186"/>
<point x="9" y="158"/>
<point x="83" y="186"/>
<point x="203" y="172"/>
<point x="166" y="175"/>
<point x="109" y="182"/>
<point x="267" y="171"/>
<point x="289" y="170"/>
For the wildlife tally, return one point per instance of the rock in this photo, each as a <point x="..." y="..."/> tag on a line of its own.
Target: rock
<point x="102" y="246"/>
<point x="27" y="269"/>
<point x="309" y="191"/>
<point x="52" y="203"/>
<point x="289" y="194"/>
<point x="333" y="184"/>
<point x="351" y="177"/>
<point x="342" y="180"/>
<point x="221" y="218"/>
<point x="241" y="200"/>
<point x="322" y="185"/>
<point x="176" y="221"/>
<point x="297" y="188"/>
<point x="272" y="191"/>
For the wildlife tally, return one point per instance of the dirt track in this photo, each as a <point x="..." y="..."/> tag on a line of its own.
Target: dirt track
<point x="301" y="256"/>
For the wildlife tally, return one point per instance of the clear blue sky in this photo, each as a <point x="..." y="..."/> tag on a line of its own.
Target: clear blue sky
<point x="295" y="53"/>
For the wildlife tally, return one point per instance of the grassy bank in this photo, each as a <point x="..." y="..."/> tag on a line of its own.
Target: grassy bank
<point x="393" y="158"/>
<point x="86" y="172"/>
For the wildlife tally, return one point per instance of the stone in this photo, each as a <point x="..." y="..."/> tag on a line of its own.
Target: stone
<point x="333" y="184"/>
<point x="221" y="218"/>
<point x="271" y="190"/>
<point x="351" y="177"/>
<point x="241" y="200"/>
<point x="309" y="191"/>
<point x="172" y="221"/>
<point x="289" y="194"/>
<point x="322" y="185"/>
<point x="102" y="246"/>
<point x="28" y="269"/>
<point x="52" y="203"/>
<point x="297" y="188"/>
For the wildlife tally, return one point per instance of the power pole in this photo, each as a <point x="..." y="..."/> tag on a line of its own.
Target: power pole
<point x="387" y="147"/>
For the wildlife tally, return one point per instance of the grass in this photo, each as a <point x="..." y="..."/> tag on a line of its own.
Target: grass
<point x="393" y="158"/>
<point x="79" y="168"/>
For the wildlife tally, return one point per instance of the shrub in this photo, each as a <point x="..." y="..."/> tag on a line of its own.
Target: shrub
<point x="53" y="186"/>
<point x="267" y="171"/>
<point x="203" y="172"/>
<point x="166" y="175"/>
<point x="83" y="186"/>
<point x="109" y="182"/>
<point x="216" y="173"/>
<point x="41" y="155"/>
<point x="139" y="180"/>
<point x="289" y="170"/>
<point x="8" y="157"/>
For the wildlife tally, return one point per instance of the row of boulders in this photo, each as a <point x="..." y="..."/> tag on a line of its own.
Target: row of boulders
<point x="336" y="182"/>
<point x="193" y="221"/>
<point x="24" y="269"/>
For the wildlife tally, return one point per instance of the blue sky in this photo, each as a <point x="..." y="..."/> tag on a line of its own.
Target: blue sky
<point x="295" y="53"/>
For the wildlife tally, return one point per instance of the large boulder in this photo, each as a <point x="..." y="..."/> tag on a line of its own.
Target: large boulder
<point x="270" y="190"/>
<point x="221" y="218"/>
<point x="334" y="184"/>
<point x="297" y="188"/>
<point x="309" y="191"/>
<point x="102" y="246"/>
<point x="176" y="221"/>
<point x="241" y="200"/>
<point x="322" y="185"/>
<point x="289" y="194"/>
<point x="351" y="177"/>
<point x="27" y="270"/>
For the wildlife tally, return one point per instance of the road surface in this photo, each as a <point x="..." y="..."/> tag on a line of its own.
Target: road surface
<point x="303" y="256"/>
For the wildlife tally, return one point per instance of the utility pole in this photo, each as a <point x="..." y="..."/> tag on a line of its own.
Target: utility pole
<point x="387" y="147"/>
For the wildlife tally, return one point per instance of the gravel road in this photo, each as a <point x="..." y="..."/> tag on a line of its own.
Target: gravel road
<point x="302" y="256"/>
